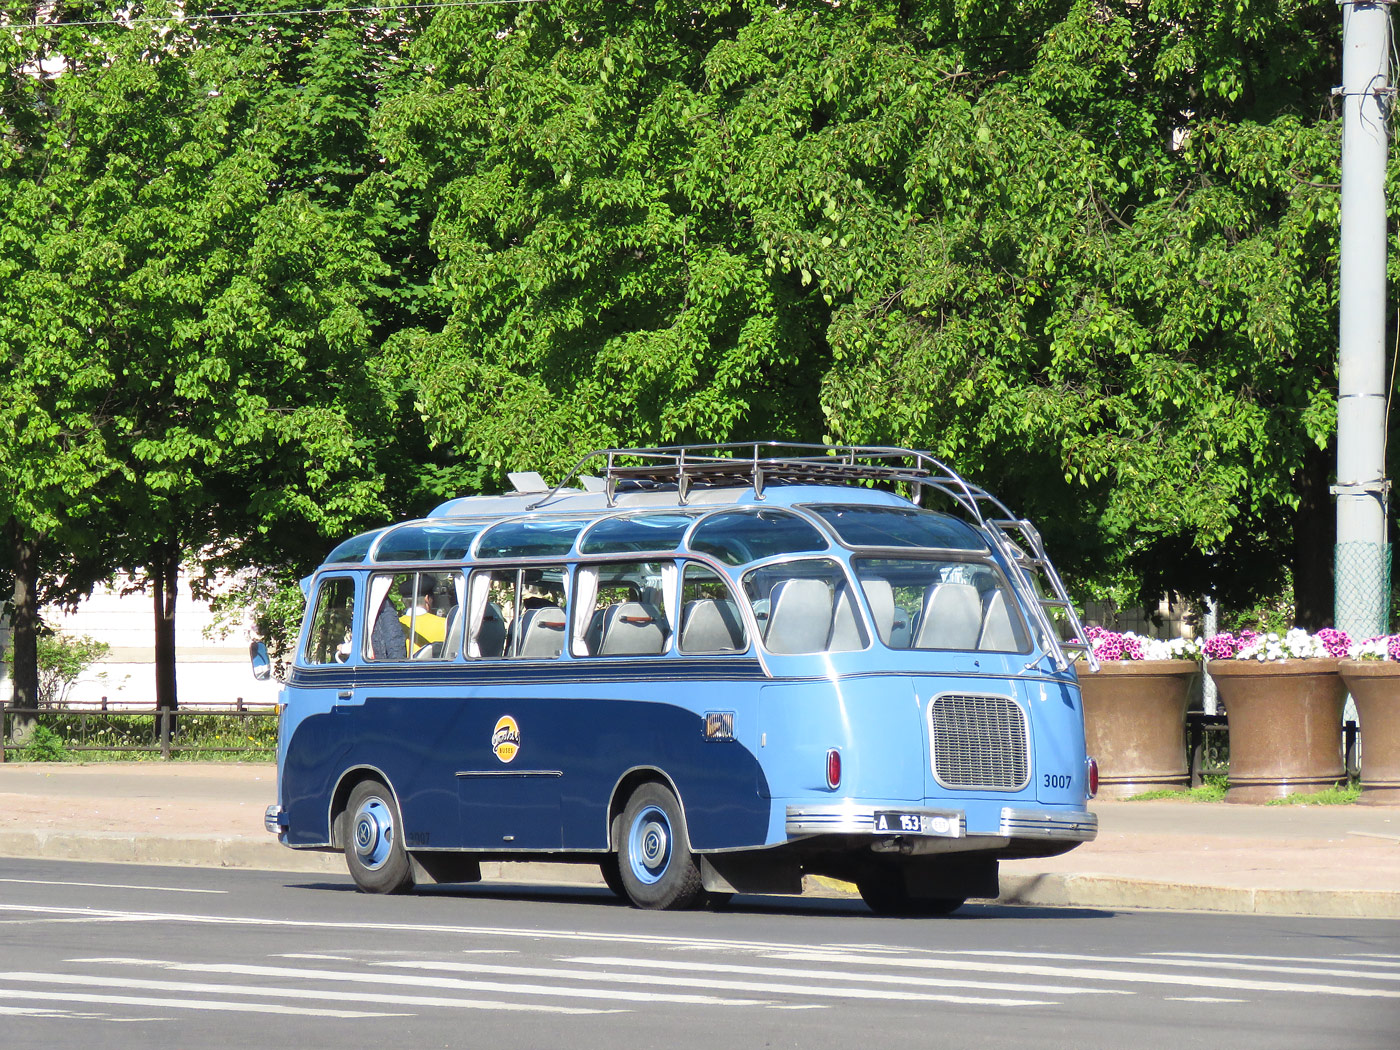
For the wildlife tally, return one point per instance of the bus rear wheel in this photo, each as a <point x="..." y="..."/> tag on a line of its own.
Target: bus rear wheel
<point x="884" y="891"/>
<point x="374" y="850"/>
<point x="657" y="869"/>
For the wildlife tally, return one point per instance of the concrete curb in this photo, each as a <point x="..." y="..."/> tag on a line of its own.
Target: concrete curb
<point x="1112" y="891"/>
<point x="1045" y="890"/>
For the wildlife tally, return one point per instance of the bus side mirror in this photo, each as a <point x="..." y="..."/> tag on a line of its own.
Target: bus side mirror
<point x="262" y="664"/>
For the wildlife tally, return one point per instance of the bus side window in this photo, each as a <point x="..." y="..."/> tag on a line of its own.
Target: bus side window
<point x="328" y="641"/>
<point x="406" y="624"/>
<point x="491" y="610"/>
<point x="515" y="613"/>
<point x="710" y="621"/>
<point x="624" y="609"/>
<point x="806" y="607"/>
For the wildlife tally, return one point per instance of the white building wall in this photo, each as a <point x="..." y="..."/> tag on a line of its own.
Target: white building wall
<point x="208" y="669"/>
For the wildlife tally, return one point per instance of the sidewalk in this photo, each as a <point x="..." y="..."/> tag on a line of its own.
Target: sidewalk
<point x="1268" y="860"/>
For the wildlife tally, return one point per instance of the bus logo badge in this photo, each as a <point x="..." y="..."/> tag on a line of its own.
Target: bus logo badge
<point x="505" y="740"/>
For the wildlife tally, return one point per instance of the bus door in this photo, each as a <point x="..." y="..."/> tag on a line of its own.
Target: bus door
<point x="406" y="709"/>
<point x="508" y="771"/>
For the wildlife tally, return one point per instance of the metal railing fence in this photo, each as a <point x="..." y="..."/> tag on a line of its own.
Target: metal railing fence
<point x="222" y="728"/>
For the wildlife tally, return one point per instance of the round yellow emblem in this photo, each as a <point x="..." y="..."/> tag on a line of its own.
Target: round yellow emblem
<point x="505" y="739"/>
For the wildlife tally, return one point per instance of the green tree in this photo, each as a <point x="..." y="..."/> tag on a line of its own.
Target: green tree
<point x="222" y="290"/>
<point x="1083" y="250"/>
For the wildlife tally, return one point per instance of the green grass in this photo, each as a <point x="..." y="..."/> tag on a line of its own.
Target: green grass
<point x="1213" y="790"/>
<point x="1333" y="796"/>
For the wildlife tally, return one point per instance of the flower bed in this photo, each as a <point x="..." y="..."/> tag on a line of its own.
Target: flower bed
<point x="1372" y="676"/>
<point x="1283" y="703"/>
<point x="1135" y="711"/>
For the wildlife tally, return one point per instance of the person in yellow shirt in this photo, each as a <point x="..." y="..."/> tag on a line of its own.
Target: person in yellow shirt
<point x="421" y="625"/>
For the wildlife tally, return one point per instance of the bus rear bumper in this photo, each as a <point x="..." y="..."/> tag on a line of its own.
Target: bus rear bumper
<point x="920" y="829"/>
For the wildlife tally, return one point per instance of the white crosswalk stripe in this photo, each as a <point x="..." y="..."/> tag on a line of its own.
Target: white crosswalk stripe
<point x="580" y="972"/>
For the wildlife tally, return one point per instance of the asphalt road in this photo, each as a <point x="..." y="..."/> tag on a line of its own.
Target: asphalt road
<point x="119" y="956"/>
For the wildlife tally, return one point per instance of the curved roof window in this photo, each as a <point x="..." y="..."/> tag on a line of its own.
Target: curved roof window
<point x="647" y="532"/>
<point x="865" y="526"/>
<point x="529" y="538"/>
<point x="424" y="542"/>
<point x="354" y="549"/>
<point x="740" y="536"/>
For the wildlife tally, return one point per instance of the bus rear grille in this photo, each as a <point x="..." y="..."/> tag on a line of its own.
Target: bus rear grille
<point x="978" y="742"/>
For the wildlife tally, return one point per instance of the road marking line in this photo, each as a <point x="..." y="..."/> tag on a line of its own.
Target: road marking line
<point x="383" y="998"/>
<point x="1197" y="962"/>
<point x="1200" y="999"/>
<point x="1089" y="974"/>
<point x="189" y="1004"/>
<point x="313" y="957"/>
<point x="44" y="1011"/>
<point x="454" y="983"/>
<point x="118" y="886"/>
<point x="805" y="974"/>
<point x="1351" y="960"/>
<point x="493" y="932"/>
<point x="694" y="981"/>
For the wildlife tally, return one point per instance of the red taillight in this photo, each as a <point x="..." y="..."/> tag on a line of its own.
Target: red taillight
<point x="1091" y="768"/>
<point x="833" y="769"/>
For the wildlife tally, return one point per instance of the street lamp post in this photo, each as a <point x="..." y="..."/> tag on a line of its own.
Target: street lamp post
<point x="1362" y="491"/>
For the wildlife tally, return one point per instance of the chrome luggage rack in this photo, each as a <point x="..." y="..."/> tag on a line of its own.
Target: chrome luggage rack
<point x="761" y="463"/>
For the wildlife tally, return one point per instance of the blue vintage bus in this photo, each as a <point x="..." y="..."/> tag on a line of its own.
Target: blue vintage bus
<point x="706" y="669"/>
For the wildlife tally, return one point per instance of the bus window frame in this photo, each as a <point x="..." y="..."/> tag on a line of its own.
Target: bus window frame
<point x="760" y="636"/>
<point x="517" y="566"/>
<point x="577" y="642"/>
<point x="319" y="583"/>
<point x="1022" y="625"/>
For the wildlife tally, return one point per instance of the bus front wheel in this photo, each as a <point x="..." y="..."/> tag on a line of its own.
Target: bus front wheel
<point x="374" y="849"/>
<point x="657" y="869"/>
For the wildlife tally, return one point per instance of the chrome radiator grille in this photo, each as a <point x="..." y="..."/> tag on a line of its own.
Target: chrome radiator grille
<point x="978" y="742"/>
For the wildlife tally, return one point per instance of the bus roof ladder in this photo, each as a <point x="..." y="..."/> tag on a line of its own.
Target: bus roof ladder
<point x="1019" y="543"/>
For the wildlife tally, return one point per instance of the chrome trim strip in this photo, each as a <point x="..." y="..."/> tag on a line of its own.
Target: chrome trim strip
<point x="509" y="773"/>
<point x="1048" y="824"/>
<point x="860" y="820"/>
<point x="274" y="820"/>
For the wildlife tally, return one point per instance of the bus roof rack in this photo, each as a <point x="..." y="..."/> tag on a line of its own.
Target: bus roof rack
<point x="762" y="463"/>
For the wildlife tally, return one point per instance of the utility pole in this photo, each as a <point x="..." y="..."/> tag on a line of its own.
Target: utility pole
<point x="1363" y="552"/>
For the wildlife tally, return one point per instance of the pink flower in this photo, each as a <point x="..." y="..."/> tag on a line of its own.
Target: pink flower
<point x="1337" y="643"/>
<point x="1224" y="646"/>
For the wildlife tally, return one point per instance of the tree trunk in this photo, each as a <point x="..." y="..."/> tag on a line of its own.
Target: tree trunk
<point x="1314" y="541"/>
<point x="164" y="572"/>
<point x="24" y="628"/>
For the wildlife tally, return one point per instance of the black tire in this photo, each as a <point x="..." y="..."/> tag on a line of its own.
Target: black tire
<point x="657" y="869"/>
<point x="374" y="850"/>
<point x="612" y="875"/>
<point x="883" y="890"/>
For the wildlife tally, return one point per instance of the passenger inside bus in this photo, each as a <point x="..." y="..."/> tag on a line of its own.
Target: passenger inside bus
<point x="425" y="629"/>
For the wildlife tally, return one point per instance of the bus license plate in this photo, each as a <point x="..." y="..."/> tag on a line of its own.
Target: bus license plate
<point x="896" y="823"/>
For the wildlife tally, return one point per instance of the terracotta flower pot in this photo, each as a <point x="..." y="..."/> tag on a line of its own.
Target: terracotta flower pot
<point x="1375" y="686"/>
<point x="1135" y="724"/>
<point x="1285" y="722"/>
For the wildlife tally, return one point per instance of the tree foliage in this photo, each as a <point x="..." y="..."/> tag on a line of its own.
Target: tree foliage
<point x="1082" y="250"/>
<point x="268" y="280"/>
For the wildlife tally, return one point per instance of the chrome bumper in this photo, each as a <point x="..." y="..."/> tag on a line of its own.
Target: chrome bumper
<point x="274" y="820"/>
<point x="1049" y="824"/>
<point x="803" y="821"/>
<point x="1016" y="823"/>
